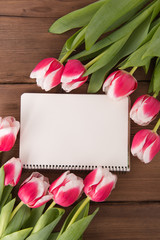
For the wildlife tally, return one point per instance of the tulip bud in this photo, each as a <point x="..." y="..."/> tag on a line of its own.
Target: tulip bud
<point x="119" y="84"/>
<point x="99" y="183"/>
<point x="144" y="110"/>
<point x="48" y="73"/>
<point x="34" y="190"/>
<point x="12" y="170"/>
<point x="72" y="75"/>
<point x="9" y="128"/>
<point x="66" y="189"/>
<point x="145" y="145"/>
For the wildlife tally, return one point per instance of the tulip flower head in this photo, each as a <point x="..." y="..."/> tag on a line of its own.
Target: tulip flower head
<point x="145" y="145"/>
<point x="48" y="73"/>
<point x="12" y="170"/>
<point x="34" y="190"/>
<point x="119" y="84"/>
<point x="72" y="75"/>
<point x="66" y="189"/>
<point x="144" y="110"/>
<point x="9" y="128"/>
<point x="99" y="183"/>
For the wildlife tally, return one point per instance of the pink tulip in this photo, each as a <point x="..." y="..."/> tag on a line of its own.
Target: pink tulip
<point x="12" y="170"/>
<point x="48" y="73"/>
<point x="66" y="189"/>
<point x="72" y="75"/>
<point x="9" y="128"/>
<point x="34" y="190"/>
<point x="99" y="183"/>
<point x="144" y="110"/>
<point x="145" y="145"/>
<point x="119" y="84"/>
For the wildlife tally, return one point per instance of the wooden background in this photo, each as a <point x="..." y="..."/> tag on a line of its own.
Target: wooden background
<point x="132" y="212"/>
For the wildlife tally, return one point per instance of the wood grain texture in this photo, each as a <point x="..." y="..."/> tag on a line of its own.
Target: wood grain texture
<point x="128" y="221"/>
<point x="39" y="8"/>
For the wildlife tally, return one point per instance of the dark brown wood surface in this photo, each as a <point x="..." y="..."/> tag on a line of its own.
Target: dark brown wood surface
<point x="132" y="212"/>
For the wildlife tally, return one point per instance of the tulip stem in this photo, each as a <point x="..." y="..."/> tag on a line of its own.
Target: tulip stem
<point x="16" y="209"/>
<point x="133" y="70"/>
<point x="51" y="205"/>
<point x="93" y="61"/>
<point x="78" y="211"/>
<point x="66" y="56"/>
<point x="155" y="95"/>
<point x="156" y="126"/>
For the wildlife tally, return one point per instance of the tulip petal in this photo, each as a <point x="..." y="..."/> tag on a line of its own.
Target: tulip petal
<point x="66" y="189"/>
<point x="67" y="198"/>
<point x="92" y="179"/>
<point x="108" y="81"/>
<point x="40" y="202"/>
<point x="74" y="69"/>
<point x="58" y="181"/>
<point x="98" y="184"/>
<point x="139" y="141"/>
<point x="122" y="87"/>
<point x="13" y="170"/>
<point x="52" y="76"/>
<point x="67" y="87"/>
<point x="144" y="110"/>
<point x="41" y="68"/>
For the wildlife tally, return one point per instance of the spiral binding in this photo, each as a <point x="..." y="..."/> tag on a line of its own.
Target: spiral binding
<point x="74" y="167"/>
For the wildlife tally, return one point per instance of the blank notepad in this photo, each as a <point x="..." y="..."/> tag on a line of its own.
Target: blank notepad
<point x="70" y="131"/>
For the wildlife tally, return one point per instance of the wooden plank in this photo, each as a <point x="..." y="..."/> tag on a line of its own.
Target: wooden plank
<point x="38" y="8"/>
<point x="125" y="222"/>
<point x="25" y="42"/>
<point x="141" y="184"/>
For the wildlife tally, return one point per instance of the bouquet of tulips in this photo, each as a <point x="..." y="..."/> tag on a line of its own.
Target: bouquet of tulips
<point x="31" y="220"/>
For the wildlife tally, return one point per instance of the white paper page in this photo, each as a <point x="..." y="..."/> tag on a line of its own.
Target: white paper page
<point x="74" y="131"/>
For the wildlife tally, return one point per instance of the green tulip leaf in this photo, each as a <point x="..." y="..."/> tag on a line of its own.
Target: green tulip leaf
<point x="53" y="236"/>
<point x="155" y="81"/>
<point x="46" y="224"/>
<point x="118" y="34"/>
<point x="48" y="217"/>
<point x="106" y="16"/>
<point x="34" y="216"/>
<point x="18" y="220"/>
<point x="73" y="42"/>
<point x="83" y="213"/>
<point x="107" y="55"/>
<point x="76" y="230"/>
<point x="153" y="47"/>
<point x="2" y="175"/>
<point x="20" y="235"/>
<point x="9" y="198"/>
<point x="76" y="19"/>
<point x="5" y="216"/>
<point x="6" y="193"/>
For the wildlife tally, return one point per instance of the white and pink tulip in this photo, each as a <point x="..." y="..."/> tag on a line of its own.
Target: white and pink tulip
<point x="119" y="84"/>
<point x="9" y="128"/>
<point x="66" y="189"/>
<point x="145" y="145"/>
<point x="34" y="190"/>
<point x="12" y="170"/>
<point x="144" y="110"/>
<point x="48" y="73"/>
<point x="99" y="183"/>
<point x="72" y="75"/>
